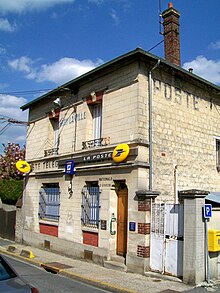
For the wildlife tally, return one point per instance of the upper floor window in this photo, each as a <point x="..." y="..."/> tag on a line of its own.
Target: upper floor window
<point x="55" y="126"/>
<point x="94" y="123"/>
<point x="97" y="120"/>
<point x="53" y="136"/>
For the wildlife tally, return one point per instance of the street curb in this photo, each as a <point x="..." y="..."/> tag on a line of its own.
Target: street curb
<point x="65" y="273"/>
<point x="32" y="261"/>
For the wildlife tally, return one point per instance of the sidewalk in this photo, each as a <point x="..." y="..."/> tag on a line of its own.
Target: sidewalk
<point x="87" y="271"/>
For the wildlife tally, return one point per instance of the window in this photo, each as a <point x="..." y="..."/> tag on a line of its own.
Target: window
<point x="90" y="205"/>
<point x="218" y="154"/>
<point x="94" y="123"/>
<point x="97" y="120"/>
<point x="54" y="136"/>
<point x="49" y="201"/>
<point x="55" y="125"/>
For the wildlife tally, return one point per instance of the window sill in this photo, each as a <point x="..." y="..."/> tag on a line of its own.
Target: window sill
<point x="90" y="229"/>
<point x="49" y="222"/>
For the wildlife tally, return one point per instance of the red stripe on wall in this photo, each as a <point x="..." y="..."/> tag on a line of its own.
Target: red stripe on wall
<point x="90" y="238"/>
<point x="49" y="230"/>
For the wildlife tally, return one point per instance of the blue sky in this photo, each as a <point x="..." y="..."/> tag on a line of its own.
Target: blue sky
<point x="44" y="43"/>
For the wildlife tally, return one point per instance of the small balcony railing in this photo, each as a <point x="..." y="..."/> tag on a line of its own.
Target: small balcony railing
<point x="95" y="143"/>
<point x="51" y="152"/>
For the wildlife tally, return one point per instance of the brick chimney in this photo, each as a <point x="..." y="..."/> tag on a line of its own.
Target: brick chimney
<point x="171" y="34"/>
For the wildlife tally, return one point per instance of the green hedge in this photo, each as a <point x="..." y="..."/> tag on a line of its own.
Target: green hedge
<point x="10" y="190"/>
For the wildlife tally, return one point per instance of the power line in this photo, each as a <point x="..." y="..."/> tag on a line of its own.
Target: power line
<point x="9" y="121"/>
<point x="12" y="120"/>
<point x="28" y="92"/>
<point x="4" y="128"/>
<point x="156" y="45"/>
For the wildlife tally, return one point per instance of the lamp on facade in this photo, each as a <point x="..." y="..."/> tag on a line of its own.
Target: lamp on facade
<point x="57" y="102"/>
<point x="93" y="95"/>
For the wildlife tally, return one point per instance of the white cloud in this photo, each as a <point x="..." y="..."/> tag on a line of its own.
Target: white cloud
<point x="25" y="65"/>
<point x="19" y="6"/>
<point x="58" y="72"/>
<point x="8" y="100"/>
<point x="66" y="69"/>
<point x="215" y="45"/>
<point x="208" y="69"/>
<point x="21" y="64"/>
<point x="114" y="16"/>
<point x="10" y="107"/>
<point x="6" y="26"/>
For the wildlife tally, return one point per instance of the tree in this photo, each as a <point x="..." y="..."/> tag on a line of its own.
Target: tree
<point x="12" y="154"/>
<point x="10" y="177"/>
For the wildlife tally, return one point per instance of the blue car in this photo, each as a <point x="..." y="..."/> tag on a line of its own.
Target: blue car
<point x="11" y="282"/>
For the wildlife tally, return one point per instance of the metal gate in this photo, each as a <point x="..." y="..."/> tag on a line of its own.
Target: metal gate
<point x="166" y="255"/>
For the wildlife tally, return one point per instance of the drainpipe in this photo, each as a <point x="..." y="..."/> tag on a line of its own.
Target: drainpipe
<point x="176" y="184"/>
<point x="150" y="125"/>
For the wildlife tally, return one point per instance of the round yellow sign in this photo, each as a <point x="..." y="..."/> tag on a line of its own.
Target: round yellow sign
<point x="23" y="166"/>
<point x="120" y="153"/>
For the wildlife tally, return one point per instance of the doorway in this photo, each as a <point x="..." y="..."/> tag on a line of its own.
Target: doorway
<point x="122" y="219"/>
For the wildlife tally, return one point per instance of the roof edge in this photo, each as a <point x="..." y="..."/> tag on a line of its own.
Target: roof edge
<point x="121" y="57"/>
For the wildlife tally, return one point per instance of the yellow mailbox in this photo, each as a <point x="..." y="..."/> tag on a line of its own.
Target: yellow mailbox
<point x="214" y="240"/>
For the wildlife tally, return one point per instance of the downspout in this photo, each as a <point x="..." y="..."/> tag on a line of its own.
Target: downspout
<point x="150" y="126"/>
<point x="176" y="185"/>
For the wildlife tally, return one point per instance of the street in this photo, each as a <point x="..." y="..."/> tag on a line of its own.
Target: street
<point x="48" y="282"/>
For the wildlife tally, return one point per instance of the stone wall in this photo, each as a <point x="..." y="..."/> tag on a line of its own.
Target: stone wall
<point x="185" y="128"/>
<point x="120" y="103"/>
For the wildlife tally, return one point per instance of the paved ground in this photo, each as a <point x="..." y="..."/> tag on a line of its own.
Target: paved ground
<point x="102" y="277"/>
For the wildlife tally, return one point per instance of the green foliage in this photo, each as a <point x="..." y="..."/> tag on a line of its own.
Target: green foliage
<point x="10" y="178"/>
<point x="10" y="190"/>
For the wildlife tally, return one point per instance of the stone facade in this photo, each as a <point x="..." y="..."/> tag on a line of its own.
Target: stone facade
<point x="185" y="134"/>
<point x="185" y="115"/>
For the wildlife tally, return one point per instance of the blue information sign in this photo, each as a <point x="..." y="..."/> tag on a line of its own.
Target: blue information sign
<point x="207" y="211"/>
<point x="132" y="226"/>
<point x="69" y="167"/>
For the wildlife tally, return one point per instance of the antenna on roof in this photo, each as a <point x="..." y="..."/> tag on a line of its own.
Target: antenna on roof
<point x="160" y="19"/>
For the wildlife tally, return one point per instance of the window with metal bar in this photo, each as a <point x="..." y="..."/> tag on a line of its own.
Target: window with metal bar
<point x="49" y="202"/>
<point x="90" y="206"/>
